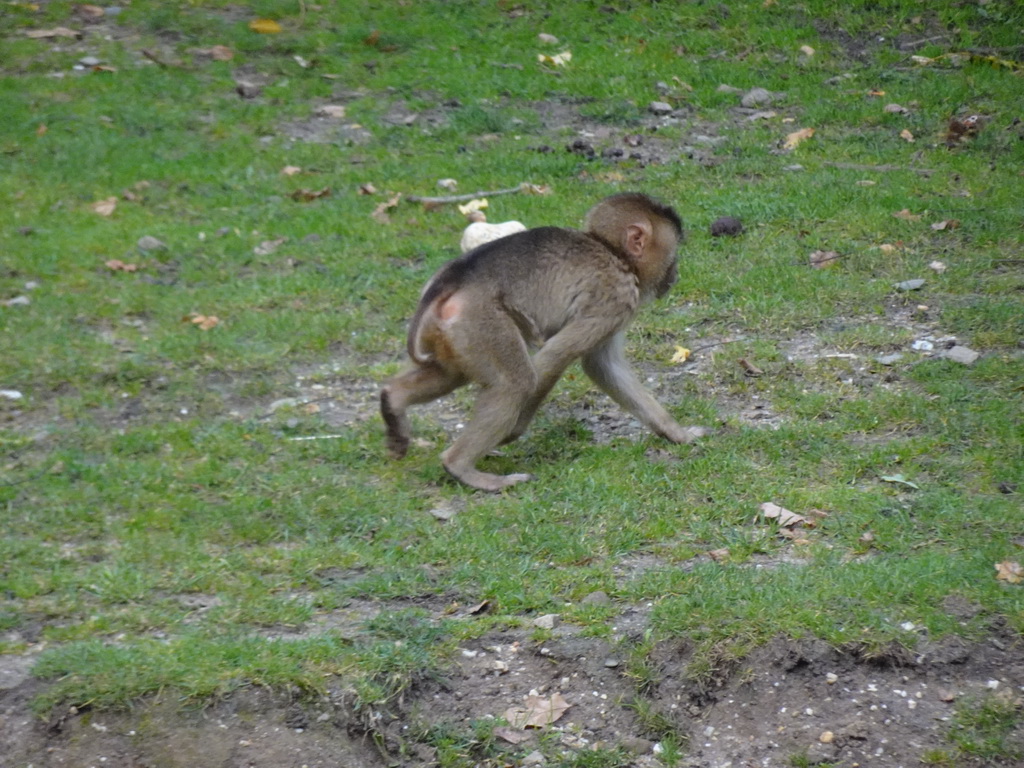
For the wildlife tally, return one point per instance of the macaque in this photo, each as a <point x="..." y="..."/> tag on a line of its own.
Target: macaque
<point x="565" y="293"/>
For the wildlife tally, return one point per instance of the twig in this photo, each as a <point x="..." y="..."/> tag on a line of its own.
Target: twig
<point x="168" y="64"/>
<point x="465" y="198"/>
<point x="878" y="168"/>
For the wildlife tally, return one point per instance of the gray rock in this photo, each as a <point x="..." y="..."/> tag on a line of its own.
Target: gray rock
<point x="890" y="359"/>
<point x="757" y="97"/>
<point x="726" y="225"/>
<point x="723" y="88"/>
<point x="964" y="355"/>
<point x="150" y="243"/>
<point x="910" y="285"/>
<point x="547" y="621"/>
<point x="599" y="597"/>
<point x="659" y="108"/>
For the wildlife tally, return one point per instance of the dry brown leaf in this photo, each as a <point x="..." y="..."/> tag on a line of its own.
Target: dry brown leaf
<point x="265" y="26"/>
<point x="719" y="555"/>
<point x="823" y="259"/>
<point x="558" y="60"/>
<point x="1010" y="572"/>
<point x="119" y="266"/>
<point x="380" y="213"/>
<point x="906" y="215"/>
<point x="308" y="195"/>
<point x="907" y="136"/>
<point x="512" y="735"/>
<point x="876" y="93"/>
<point x="43" y="34"/>
<point x="221" y="53"/>
<point x="267" y="247"/>
<point x="781" y="515"/>
<point x="939" y="226"/>
<point x="89" y="11"/>
<point x="887" y="248"/>
<point x="202" y="322"/>
<point x="794" y="139"/>
<point x="367" y="189"/>
<point x="749" y="368"/>
<point x="105" y="207"/>
<point x="539" y="712"/>
<point x="41" y="130"/>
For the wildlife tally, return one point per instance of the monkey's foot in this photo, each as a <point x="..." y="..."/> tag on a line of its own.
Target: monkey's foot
<point x="688" y="434"/>
<point x="485" y="481"/>
<point x="397" y="430"/>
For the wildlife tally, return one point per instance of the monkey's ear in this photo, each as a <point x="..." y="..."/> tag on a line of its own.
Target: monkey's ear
<point x="636" y="238"/>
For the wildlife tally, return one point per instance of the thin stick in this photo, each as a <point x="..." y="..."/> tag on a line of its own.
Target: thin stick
<point x="466" y="198"/>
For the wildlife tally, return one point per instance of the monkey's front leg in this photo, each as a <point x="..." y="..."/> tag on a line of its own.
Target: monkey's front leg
<point x="606" y="365"/>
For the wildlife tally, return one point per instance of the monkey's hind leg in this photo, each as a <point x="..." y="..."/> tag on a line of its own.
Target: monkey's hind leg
<point x="418" y="384"/>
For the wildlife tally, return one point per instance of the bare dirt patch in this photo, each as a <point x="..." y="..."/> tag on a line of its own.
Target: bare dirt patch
<point x="788" y="700"/>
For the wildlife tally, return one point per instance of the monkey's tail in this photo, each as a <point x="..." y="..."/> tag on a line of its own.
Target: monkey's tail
<point x="432" y="297"/>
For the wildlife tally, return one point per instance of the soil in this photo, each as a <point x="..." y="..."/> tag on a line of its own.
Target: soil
<point x="792" y="700"/>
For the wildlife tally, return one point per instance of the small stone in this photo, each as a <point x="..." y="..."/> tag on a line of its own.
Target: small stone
<point x="544" y="37"/>
<point x="547" y="621"/>
<point x="659" y="108"/>
<point x="827" y="737"/>
<point x="284" y="402"/>
<point x="534" y="758"/>
<point x="598" y="597"/>
<point x="922" y="345"/>
<point x="89" y="61"/>
<point x="636" y="745"/>
<point x="612" y="663"/>
<point x="150" y="243"/>
<point x="247" y="90"/>
<point x="909" y="285"/>
<point x="726" y="225"/>
<point x="890" y="359"/>
<point x="17" y="301"/>
<point x="11" y="394"/>
<point x="831" y="678"/>
<point x="756" y="97"/>
<point x="793" y="168"/>
<point x="723" y="88"/>
<point x="964" y="355"/>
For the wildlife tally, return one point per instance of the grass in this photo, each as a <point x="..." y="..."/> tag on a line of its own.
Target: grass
<point x="142" y="468"/>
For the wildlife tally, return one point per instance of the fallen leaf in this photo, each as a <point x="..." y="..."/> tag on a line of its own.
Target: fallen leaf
<point x="823" y="259"/>
<point x="105" y="207"/>
<point x="512" y="735"/>
<point x="380" y="213"/>
<point x="538" y="713"/>
<point x="331" y="110"/>
<point x="718" y="555"/>
<point x="866" y="183"/>
<point x="938" y="266"/>
<point x="42" y="34"/>
<point x="480" y="608"/>
<point x="221" y="53"/>
<point x="89" y="11"/>
<point x="887" y="248"/>
<point x="119" y="266"/>
<point x="907" y="136"/>
<point x="267" y="247"/>
<point x="373" y="38"/>
<point x="1010" y="572"/>
<point x="291" y="170"/>
<point x="901" y="480"/>
<point x="308" y="195"/>
<point x="449" y="184"/>
<point x="749" y="368"/>
<point x="104" y="68"/>
<point x="558" y="60"/>
<point x="682" y="354"/>
<point x="781" y="515"/>
<point x="41" y="130"/>
<point x="265" y="26"/>
<point x="477" y="204"/>
<point x="793" y="139"/>
<point x="367" y="189"/>
<point x="202" y="322"/>
<point x="906" y="215"/>
<point x="939" y="226"/>
<point x="876" y="93"/>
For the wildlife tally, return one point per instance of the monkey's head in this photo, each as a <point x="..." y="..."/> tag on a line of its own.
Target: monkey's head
<point x="643" y="231"/>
